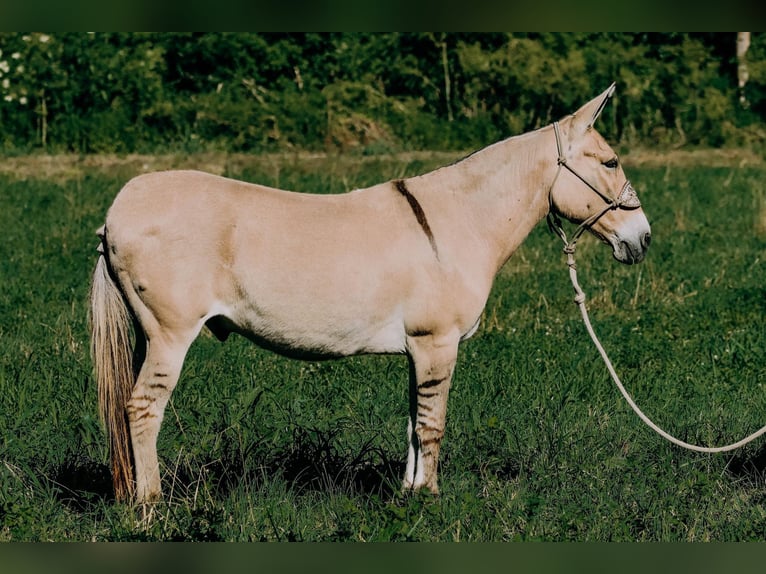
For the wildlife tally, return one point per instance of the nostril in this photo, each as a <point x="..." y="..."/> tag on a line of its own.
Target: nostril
<point x="646" y="239"/>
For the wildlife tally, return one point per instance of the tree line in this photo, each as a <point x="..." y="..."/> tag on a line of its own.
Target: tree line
<point x="128" y="92"/>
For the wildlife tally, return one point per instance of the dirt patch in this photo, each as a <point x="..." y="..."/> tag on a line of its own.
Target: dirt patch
<point x="70" y="166"/>
<point x="67" y="167"/>
<point x="736" y="157"/>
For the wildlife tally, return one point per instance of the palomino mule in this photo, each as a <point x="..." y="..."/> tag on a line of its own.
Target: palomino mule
<point x="404" y="267"/>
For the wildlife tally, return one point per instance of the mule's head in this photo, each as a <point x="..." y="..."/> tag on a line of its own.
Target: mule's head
<point x="591" y="188"/>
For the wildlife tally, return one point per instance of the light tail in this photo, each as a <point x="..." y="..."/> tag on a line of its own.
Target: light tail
<point x="112" y="361"/>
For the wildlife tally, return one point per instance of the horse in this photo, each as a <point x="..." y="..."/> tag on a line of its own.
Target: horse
<point x="402" y="267"/>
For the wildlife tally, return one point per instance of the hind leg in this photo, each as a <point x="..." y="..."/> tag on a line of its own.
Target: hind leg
<point x="146" y="407"/>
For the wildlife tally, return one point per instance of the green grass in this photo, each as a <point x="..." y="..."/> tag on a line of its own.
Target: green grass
<point x="539" y="445"/>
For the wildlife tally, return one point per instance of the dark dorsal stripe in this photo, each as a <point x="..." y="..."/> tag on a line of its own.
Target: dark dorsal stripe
<point x="418" y="211"/>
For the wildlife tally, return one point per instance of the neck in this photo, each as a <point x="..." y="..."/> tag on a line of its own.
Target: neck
<point x="501" y="191"/>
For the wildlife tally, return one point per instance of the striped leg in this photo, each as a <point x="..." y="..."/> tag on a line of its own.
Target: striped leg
<point x="156" y="380"/>
<point x="432" y="362"/>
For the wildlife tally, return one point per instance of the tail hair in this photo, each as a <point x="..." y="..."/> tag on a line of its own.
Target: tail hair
<point x="111" y="354"/>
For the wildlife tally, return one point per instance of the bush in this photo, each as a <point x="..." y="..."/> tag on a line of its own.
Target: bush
<point x="121" y="92"/>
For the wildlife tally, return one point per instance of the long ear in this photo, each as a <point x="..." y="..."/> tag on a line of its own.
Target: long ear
<point x="587" y="115"/>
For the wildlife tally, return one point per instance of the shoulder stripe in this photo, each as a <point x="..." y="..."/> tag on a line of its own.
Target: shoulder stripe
<point x="417" y="209"/>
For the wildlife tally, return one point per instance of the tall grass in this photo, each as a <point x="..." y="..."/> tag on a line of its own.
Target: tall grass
<point x="539" y="445"/>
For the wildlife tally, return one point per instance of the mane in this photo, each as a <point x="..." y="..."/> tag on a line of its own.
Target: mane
<point x="515" y="152"/>
<point x="505" y="143"/>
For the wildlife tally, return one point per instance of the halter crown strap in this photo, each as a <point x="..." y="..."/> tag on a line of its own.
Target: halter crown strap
<point x="561" y="159"/>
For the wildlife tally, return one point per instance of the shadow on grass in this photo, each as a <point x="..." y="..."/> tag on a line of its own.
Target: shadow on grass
<point x="315" y="461"/>
<point x="750" y="466"/>
<point x="81" y="481"/>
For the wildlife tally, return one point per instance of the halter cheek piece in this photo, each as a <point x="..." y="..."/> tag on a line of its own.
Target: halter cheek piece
<point x="626" y="199"/>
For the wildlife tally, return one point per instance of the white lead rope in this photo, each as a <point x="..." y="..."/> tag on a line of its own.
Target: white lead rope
<point x="627" y="199"/>
<point x="580" y="300"/>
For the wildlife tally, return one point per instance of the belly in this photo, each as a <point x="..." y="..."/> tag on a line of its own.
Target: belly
<point x="308" y="334"/>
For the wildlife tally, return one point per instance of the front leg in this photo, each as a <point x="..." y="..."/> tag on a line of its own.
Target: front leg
<point x="432" y="362"/>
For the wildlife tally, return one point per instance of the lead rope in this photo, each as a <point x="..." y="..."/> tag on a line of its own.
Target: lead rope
<point x="569" y="249"/>
<point x="627" y="199"/>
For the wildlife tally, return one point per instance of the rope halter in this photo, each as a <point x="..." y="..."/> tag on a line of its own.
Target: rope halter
<point x="626" y="199"/>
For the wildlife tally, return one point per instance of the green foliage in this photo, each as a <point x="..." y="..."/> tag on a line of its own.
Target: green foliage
<point x="539" y="445"/>
<point x="121" y="92"/>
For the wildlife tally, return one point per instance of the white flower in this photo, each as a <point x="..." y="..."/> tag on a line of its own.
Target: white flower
<point x="44" y="38"/>
<point x="4" y="67"/>
<point x="6" y="83"/>
<point x="8" y="98"/>
<point x="20" y="69"/>
<point x="23" y="100"/>
<point x="15" y="55"/>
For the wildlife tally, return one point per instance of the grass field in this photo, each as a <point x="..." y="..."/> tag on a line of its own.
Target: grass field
<point x="539" y="444"/>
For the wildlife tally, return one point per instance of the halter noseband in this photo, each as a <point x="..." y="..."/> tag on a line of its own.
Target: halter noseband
<point x="626" y="199"/>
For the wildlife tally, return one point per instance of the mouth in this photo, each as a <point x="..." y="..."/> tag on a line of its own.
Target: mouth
<point x="630" y="252"/>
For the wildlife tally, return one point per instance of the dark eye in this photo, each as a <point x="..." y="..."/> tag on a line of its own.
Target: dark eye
<point x="611" y="163"/>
